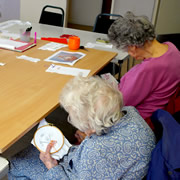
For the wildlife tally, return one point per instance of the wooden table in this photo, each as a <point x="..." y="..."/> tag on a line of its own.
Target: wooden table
<point x="28" y="93"/>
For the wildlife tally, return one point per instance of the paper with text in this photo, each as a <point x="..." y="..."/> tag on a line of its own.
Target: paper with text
<point x="67" y="70"/>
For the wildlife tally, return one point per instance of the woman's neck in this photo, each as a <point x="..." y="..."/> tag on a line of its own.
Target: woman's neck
<point x="154" y="49"/>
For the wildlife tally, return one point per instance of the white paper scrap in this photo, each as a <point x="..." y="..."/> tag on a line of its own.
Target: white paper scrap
<point x="2" y="64"/>
<point x="28" y="58"/>
<point x="52" y="46"/>
<point x="67" y="70"/>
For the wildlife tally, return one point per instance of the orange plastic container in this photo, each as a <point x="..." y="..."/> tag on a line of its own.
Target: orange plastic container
<point x="74" y="42"/>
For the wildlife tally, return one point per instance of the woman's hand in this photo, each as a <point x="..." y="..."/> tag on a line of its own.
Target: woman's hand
<point x="80" y="136"/>
<point x="46" y="157"/>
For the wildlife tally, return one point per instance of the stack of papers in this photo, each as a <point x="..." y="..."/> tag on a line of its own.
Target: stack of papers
<point x="10" y="44"/>
<point x="15" y="45"/>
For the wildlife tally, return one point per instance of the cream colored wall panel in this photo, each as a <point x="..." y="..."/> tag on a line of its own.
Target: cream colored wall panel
<point x="138" y="7"/>
<point x="9" y="9"/>
<point x="84" y="11"/>
<point x="167" y="20"/>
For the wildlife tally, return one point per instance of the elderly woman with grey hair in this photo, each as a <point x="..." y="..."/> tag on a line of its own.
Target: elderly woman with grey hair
<point x="118" y="144"/>
<point x="149" y="85"/>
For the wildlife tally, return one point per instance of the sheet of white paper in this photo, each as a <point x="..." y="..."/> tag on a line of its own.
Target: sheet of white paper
<point x="52" y="46"/>
<point x="67" y="70"/>
<point x="28" y="58"/>
<point x="92" y="45"/>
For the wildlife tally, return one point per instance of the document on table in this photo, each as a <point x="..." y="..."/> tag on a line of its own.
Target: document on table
<point x="52" y="46"/>
<point x="67" y="70"/>
<point x="66" y="57"/>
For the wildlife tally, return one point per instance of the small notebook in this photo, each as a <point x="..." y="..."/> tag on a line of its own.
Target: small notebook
<point x="15" y="45"/>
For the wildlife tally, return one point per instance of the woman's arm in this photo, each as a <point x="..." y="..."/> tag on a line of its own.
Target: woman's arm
<point x="136" y="85"/>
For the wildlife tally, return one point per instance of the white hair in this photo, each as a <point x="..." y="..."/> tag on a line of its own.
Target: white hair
<point x="92" y="104"/>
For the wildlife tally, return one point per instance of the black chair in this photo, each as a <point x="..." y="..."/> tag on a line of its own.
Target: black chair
<point x="102" y="24"/>
<point x="174" y="38"/>
<point x="52" y="18"/>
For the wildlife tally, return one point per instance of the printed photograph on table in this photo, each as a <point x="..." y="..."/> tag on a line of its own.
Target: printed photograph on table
<point x="65" y="57"/>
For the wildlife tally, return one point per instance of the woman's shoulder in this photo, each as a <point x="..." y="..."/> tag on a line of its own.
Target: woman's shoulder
<point x="132" y="121"/>
<point x="171" y="46"/>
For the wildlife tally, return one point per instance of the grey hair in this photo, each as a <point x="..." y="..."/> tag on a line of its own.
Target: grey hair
<point x="131" y="30"/>
<point x="92" y="104"/>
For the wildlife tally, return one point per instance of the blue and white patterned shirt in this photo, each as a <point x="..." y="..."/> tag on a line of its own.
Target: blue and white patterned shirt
<point x="123" y="153"/>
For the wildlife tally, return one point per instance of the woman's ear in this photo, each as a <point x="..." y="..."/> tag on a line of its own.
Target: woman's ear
<point x="89" y="132"/>
<point x="132" y="51"/>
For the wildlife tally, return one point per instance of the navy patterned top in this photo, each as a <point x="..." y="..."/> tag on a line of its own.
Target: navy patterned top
<point x="123" y="153"/>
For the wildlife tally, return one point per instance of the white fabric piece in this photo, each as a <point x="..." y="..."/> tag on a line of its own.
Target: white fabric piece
<point x="93" y="45"/>
<point x="28" y="58"/>
<point x="65" y="148"/>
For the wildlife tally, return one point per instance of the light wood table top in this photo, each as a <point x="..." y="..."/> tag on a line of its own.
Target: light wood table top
<point x="28" y="93"/>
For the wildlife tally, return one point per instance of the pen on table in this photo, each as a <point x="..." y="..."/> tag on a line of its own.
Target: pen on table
<point x="82" y="47"/>
<point x="35" y="37"/>
<point x="27" y="30"/>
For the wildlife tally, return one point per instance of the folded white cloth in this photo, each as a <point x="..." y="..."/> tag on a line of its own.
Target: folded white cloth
<point x="52" y="136"/>
<point x="94" y="45"/>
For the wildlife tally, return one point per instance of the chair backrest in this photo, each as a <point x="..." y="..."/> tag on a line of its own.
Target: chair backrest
<point x="174" y="38"/>
<point x="52" y="18"/>
<point x="104" y="21"/>
<point x="165" y="158"/>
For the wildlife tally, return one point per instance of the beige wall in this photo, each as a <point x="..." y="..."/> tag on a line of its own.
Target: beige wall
<point x="164" y="14"/>
<point x="84" y="11"/>
<point x="30" y="10"/>
<point x="9" y="9"/>
<point x="168" y="17"/>
<point x="138" y="7"/>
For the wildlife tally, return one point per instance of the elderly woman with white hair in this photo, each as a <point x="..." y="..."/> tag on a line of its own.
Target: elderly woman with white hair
<point x="149" y="85"/>
<point x="118" y="144"/>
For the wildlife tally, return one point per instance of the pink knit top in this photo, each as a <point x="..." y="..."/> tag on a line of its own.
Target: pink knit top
<point x="148" y="86"/>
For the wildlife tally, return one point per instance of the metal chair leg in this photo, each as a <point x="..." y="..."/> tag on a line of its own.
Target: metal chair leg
<point x="120" y="62"/>
<point x="128" y="66"/>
